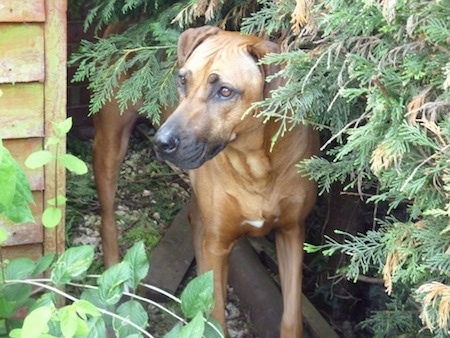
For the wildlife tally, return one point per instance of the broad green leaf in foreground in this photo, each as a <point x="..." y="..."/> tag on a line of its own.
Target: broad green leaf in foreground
<point x="72" y="264"/>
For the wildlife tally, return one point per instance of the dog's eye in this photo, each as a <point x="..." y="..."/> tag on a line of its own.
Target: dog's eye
<point x="182" y="80"/>
<point x="225" y="92"/>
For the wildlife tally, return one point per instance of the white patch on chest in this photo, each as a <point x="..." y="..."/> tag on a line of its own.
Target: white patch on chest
<point x="257" y="223"/>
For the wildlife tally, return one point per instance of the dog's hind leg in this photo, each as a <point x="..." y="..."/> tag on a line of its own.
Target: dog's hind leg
<point x="289" y="244"/>
<point x="112" y="133"/>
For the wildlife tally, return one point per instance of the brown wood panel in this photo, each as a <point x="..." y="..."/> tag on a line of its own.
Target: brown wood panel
<point x="20" y="149"/>
<point x="55" y="35"/>
<point x="21" y="53"/>
<point x="32" y="251"/>
<point x="26" y="233"/>
<point x="22" y="11"/>
<point x="22" y="112"/>
<point x="172" y="257"/>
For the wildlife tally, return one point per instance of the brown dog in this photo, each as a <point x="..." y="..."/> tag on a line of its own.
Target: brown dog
<point x="240" y="186"/>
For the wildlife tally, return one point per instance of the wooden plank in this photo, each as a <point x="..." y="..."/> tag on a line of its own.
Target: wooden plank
<point x="22" y="11"/>
<point x="256" y="290"/>
<point x="172" y="257"/>
<point x="21" y="53"/>
<point x="22" y="110"/>
<point x="55" y="95"/>
<point x="32" y="251"/>
<point x="20" y="149"/>
<point x="313" y="319"/>
<point x="26" y="233"/>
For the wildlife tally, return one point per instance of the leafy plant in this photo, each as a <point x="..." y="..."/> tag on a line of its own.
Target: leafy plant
<point x="52" y="215"/>
<point x="16" y="193"/>
<point x="373" y="76"/>
<point x="101" y="304"/>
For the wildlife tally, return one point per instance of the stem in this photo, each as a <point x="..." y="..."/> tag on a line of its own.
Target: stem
<point x="145" y="300"/>
<point x="56" y="188"/>
<point x="41" y="283"/>
<point x="2" y="264"/>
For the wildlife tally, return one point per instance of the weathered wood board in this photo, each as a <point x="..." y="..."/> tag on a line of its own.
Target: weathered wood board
<point x="33" y="79"/>
<point x="26" y="233"/>
<point x="22" y="110"/>
<point x="22" y="11"/>
<point x="21" y="53"/>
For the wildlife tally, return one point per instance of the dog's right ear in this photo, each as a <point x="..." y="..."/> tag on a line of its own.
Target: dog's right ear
<point x="190" y="39"/>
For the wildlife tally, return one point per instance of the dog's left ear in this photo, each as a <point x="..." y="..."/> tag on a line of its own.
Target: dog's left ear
<point x="258" y="51"/>
<point x="190" y="39"/>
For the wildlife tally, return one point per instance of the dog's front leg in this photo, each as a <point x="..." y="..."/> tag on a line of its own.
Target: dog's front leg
<point x="212" y="253"/>
<point x="215" y="255"/>
<point x="289" y="244"/>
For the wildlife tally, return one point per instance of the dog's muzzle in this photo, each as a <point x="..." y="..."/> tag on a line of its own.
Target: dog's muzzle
<point x="184" y="151"/>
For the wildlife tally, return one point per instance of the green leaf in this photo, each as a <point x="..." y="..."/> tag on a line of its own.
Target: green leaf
<point x="38" y="159"/>
<point x="68" y="320"/>
<point x="51" y="217"/>
<point x="15" y="189"/>
<point x="311" y="248"/>
<point x="73" y="320"/>
<point x="62" y="128"/>
<point x="36" y="323"/>
<point x="9" y="178"/>
<point x="19" y="268"/>
<point x="73" y="164"/>
<point x="17" y="333"/>
<point x="43" y="264"/>
<point x="19" y="212"/>
<point x="85" y="308"/>
<point x="97" y="327"/>
<point x="72" y="264"/>
<point x="133" y="311"/>
<point x="47" y="299"/>
<point x="198" y="295"/>
<point x="112" y="282"/>
<point x="7" y="307"/>
<point x="22" y="187"/>
<point x="59" y="200"/>
<point x="174" y="332"/>
<point x="52" y="140"/>
<point x="91" y="296"/>
<point x="17" y="293"/>
<point x="195" y="328"/>
<point x="139" y="265"/>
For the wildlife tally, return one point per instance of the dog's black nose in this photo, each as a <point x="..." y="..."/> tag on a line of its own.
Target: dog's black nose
<point x="166" y="143"/>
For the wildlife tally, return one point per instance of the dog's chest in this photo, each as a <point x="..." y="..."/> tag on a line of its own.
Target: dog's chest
<point x="259" y="206"/>
<point x="259" y="191"/>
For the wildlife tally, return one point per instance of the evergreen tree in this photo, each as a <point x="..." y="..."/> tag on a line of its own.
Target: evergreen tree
<point x="374" y="77"/>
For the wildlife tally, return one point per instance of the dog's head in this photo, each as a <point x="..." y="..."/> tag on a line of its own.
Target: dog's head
<point x="218" y="80"/>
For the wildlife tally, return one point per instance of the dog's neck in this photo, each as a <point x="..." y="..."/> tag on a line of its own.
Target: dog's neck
<point x="249" y="155"/>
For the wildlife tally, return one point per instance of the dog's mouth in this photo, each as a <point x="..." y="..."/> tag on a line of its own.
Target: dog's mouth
<point x="190" y="156"/>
